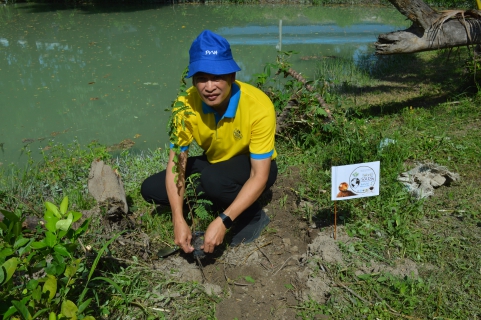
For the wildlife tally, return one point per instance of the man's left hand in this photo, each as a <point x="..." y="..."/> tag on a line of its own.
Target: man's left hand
<point x="214" y="235"/>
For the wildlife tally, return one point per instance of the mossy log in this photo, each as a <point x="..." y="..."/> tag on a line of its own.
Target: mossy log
<point x="430" y="29"/>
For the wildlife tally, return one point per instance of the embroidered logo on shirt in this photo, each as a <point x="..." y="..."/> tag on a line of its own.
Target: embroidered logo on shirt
<point x="237" y="134"/>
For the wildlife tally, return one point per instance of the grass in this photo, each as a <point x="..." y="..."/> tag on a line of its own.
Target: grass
<point x="422" y="102"/>
<point x="173" y="299"/>
<point x="441" y="234"/>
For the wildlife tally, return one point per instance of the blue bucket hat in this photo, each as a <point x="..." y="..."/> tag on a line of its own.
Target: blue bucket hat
<point x="210" y="53"/>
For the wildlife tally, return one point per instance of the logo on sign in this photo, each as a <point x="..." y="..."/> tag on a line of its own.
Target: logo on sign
<point x="362" y="179"/>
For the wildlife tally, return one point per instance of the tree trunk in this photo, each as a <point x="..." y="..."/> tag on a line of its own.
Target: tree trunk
<point x="431" y="30"/>
<point x="106" y="187"/>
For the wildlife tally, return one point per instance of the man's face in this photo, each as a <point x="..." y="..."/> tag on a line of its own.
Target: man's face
<point x="214" y="90"/>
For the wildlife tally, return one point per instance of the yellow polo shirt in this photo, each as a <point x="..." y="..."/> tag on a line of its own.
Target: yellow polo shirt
<point x="247" y="127"/>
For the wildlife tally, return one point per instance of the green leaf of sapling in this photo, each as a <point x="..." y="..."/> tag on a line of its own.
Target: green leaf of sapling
<point x="76" y="216"/>
<point x="51" y="221"/>
<point x="72" y="268"/>
<point x="50" y="286"/>
<point x="61" y="250"/>
<point x="6" y="252"/>
<point x="61" y="234"/>
<point x="64" y="206"/>
<point x="10" y="216"/>
<point x="2" y="275"/>
<point x="38" y="245"/>
<point x="32" y="284"/>
<point x="9" y="268"/>
<point x="69" y="309"/>
<point x="64" y="224"/>
<point x="51" y="207"/>
<point x="20" y="242"/>
<point x="50" y="239"/>
<point x="22" y="309"/>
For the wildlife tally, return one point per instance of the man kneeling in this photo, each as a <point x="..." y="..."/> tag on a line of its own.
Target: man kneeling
<point x="234" y="123"/>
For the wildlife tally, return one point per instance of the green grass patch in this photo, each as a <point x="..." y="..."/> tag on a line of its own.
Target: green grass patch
<point x="440" y="234"/>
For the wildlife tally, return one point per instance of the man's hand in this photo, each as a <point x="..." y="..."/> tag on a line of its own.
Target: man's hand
<point x="214" y="235"/>
<point x="183" y="236"/>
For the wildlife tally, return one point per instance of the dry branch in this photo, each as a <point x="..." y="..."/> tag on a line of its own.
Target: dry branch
<point x="292" y="104"/>
<point x="310" y="88"/>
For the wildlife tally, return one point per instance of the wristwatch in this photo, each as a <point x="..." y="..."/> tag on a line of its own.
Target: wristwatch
<point x="226" y="220"/>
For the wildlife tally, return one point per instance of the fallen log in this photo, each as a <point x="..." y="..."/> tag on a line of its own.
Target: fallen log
<point x="430" y="30"/>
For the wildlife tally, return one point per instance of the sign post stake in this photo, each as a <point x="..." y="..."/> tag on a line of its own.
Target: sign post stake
<point x="335" y="220"/>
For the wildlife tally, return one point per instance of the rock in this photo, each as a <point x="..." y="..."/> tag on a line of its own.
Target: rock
<point x="212" y="289"/>
<point x="425" y="177"/>
<point x="306" y="205"/>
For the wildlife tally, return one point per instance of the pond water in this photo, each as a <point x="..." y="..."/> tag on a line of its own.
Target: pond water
<point x="109" y="74"/>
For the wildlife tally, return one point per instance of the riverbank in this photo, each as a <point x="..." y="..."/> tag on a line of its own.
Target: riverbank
<point x="394" y="256"/>
<point x="92" y="4"/>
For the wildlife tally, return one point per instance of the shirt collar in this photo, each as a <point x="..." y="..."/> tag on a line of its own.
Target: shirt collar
<point x="233" y="103"/>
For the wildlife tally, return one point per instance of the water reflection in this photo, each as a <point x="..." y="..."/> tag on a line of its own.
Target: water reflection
<point x="308" y="34"/>
<point x="110" y="76"/>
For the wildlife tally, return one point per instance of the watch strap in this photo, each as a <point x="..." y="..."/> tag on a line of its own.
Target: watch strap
<point x="226" y="220"/>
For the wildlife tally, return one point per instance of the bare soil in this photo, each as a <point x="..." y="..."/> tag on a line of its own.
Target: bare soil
<point x="287" y="264"/>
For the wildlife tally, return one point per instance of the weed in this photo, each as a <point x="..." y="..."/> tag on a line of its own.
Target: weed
<point x="283" y="201"/>
<point x="53" y="256"/>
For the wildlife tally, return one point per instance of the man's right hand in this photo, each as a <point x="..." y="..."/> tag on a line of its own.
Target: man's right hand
<point x="183" y="236"/>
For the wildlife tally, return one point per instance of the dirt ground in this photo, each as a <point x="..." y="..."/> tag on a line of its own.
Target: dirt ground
<point x="290" y="262"/>
<point x="287" y="264"/>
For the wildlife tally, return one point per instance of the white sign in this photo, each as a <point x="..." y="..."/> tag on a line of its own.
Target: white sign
<point x="355" y="181"/>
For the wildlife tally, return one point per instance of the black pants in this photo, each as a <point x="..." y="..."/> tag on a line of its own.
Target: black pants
<point x="220" y="182"/>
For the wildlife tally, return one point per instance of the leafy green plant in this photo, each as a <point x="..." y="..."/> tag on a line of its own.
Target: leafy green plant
<point x="198" y="212"/>
<point x="39" y="277"/>
<point x="300" y="103"/>
<point x="473" y="67"/>
<point x="197" y="205"/>
<point x="179" y="111"/>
